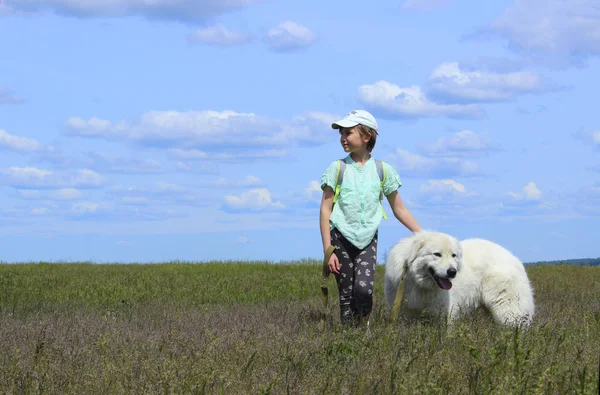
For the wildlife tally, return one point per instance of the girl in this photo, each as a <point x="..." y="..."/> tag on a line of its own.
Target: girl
<point x="351" y="225"/>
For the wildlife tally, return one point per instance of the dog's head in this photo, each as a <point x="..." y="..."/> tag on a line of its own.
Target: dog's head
<point x="435" y="259"/>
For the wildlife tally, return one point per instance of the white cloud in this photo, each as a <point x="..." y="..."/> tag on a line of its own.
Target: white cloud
<point x="189" y="154"/>
<point x="242" y="240"/>
<point x="448" y="198"/>
<point x="524" y="111"/>
<point x="200" y="168"/>
<point x="529" y="201"/>
<point x="4" y="10"/>
<point x="33" y="178"/>
<point x="131" y="200"/>
<point x="444" y="186"/>
<point x="95" y="127"/>
<point x="414" y="165"/>
<point x="86" y="177"/>
<point x="31" y="147"/>
<point x="189" y="11"/>
<point x="422" y="4"/>
<point x="193" y="127"/>
<point x="26" y="173"/>
<point x="39" y="211"/>
<point x="227" y="135"/>
<point x="551" y="30"/>
<point x="252" y="181"/>
<point x="411" y="102"/>
<point x="254" y="200"/>
<point x="289" y="36"/>
<point x="586" y="200"/>
<point x="233" y="156"/>
<point x="29" y="194"/>
<point x="318" y="117"/>
<point x="313" y="191"/>
<point x="115" y="212"/>
<point x="182" y="166"/>
<point x="464" y="143"/>
<point x="446" y="193"/>
<point x="8" y="96"/>
<point x="530" y="192"/>
<point x="451" y="82"/>
<point x="80" y="208"/>
<point x="313" y="186"/>
<point x="122" y="165"/>
<point x="65" y="194"/>
<point x="159" y="194"/>
<point x="53" y="195"/>
<point x="589" y="136"/>
<point x="493" y="64"/>
<point x="249" y="181"/>
<point x="19" y="144"/>
<point x="452" y="199"/>
<point x="220" y="36"/>
<point x="169" y="187"/>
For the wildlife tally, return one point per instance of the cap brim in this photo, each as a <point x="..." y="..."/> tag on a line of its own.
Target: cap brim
<point x="344" y="123"/>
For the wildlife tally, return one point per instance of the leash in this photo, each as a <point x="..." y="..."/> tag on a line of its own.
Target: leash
<point x="399" y="296"/>
<point x="325" y="275"/>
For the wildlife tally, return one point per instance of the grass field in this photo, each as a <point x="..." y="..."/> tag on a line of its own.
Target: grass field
<point x="257" y="328"/>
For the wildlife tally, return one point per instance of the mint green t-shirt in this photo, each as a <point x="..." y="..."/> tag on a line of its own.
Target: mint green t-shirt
<point x="357" y="212"/>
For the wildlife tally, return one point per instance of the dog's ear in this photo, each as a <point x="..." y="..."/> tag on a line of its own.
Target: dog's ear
<point x="415" y="249"/>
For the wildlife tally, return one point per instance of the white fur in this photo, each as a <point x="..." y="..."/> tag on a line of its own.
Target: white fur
<point x="487" y="275"/>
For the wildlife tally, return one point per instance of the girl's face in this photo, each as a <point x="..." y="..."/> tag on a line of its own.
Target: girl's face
<point x="351" y="139"/>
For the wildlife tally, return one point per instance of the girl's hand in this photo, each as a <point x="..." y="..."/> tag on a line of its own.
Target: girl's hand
<point x="334" y="264"/>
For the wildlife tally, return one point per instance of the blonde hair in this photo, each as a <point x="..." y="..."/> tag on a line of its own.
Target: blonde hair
<point x="365" y="132"/>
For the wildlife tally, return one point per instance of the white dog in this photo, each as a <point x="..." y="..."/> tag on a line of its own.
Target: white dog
<point x="450" y="277"/>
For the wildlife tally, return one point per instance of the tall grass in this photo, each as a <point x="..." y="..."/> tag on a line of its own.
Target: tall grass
<point x="258" y="328"/>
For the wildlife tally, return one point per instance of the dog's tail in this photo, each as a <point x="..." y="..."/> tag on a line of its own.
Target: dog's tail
<point x="390" y="288"/>
<point x="394" y="289"/>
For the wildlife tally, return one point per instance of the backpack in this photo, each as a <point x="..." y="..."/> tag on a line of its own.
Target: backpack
<point x="341" y="167"/>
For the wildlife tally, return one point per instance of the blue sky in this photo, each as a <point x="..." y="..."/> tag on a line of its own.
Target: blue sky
<point x="135" y="131"/>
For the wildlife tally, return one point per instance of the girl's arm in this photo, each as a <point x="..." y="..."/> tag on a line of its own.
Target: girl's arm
<point x="326" y="207"/>
<point x="401" y="212"/>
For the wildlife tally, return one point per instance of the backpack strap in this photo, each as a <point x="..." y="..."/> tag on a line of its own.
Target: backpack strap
<point x="341" y="168"/>
<point x="381" y="173"/>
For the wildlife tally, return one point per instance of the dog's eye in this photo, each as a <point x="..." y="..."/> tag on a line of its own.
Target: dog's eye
<point x="453" y="255"/>
<point x="437" y="254"/>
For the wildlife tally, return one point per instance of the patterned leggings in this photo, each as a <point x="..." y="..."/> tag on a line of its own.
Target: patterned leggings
<point x="355" y="281"/>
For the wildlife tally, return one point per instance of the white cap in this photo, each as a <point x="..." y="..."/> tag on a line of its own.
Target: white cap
<point x="356" y="117"/>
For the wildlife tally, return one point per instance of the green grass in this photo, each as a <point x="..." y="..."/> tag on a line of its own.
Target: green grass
<point x="31" y="287"/>
<point x="257" y="328"/>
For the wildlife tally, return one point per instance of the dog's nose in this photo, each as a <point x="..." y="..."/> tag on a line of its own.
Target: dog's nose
<point x="451" y="273"/>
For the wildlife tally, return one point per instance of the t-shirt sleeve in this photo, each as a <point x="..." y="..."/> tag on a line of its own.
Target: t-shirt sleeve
<point x="329" y="178"/>
<point x="392" y="180"/>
